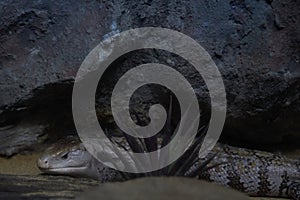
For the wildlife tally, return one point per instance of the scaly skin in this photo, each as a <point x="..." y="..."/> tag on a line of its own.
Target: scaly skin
<point x="256" y="173"/>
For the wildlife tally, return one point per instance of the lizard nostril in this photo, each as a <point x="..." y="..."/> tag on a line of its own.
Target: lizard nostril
<point x="43" y="163"/>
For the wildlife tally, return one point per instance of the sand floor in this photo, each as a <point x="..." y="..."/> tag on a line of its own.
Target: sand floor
<point x="20" y="165"/>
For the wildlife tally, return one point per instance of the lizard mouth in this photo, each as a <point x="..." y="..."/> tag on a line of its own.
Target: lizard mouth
<point x="63" y="169"/>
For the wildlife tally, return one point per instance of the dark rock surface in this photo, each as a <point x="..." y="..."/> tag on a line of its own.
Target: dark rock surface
<point x="42" y="187"/>
<point x="162" y="188"/>
<point x="22" y="137"/>
<point x="44" y="111"/>
<point x="62" y="187"/>
<point x="255" y="44"/>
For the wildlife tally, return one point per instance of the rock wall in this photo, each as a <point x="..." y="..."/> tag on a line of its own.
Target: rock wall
<point x="255" y="45"/>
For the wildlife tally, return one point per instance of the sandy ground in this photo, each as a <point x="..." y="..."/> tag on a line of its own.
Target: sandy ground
<point x="20" y="164"/>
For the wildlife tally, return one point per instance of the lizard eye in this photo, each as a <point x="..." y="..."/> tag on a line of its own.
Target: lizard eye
<point x="65" y="156"/>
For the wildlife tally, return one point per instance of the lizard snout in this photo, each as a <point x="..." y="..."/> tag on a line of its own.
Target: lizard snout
<point x="43" y="163"/>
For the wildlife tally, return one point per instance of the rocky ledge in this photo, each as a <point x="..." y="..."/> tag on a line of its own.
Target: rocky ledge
<point x="62" y="187"/>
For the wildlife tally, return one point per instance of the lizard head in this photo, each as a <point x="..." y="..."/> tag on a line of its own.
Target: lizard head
<point x="68" y="156"/>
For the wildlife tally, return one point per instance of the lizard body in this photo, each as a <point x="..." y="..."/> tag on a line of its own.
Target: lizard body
<point x="256" y="173"/>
